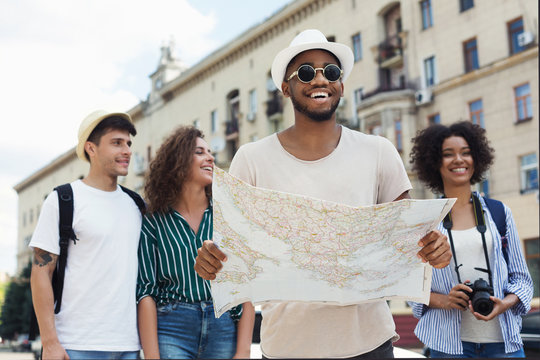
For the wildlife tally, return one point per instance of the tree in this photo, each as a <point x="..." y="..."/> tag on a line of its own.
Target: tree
<point x="16" y="310"/>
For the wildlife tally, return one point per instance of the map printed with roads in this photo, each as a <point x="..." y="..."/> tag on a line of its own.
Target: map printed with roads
<point x="287" y="247"/>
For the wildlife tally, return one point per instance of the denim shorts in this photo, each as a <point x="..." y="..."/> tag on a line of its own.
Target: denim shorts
<point x="102" y="355"/>
<point x="191" y="330"/>
<point x="476" y="350"/>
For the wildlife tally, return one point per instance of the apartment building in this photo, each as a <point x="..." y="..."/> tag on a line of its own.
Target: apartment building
<point x="417" y="62"/>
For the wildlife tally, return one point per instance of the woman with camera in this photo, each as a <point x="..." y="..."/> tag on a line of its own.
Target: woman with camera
<point x="175" y="311"/>
<point x="477" y="301"/>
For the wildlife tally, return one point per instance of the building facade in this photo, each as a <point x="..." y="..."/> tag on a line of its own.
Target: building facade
<point x="416" y="63"/>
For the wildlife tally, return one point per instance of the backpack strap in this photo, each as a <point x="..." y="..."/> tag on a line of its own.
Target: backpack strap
<point x="65" y="227"/>
<point x="496" y="208"/>
<point x="136" y="198"/>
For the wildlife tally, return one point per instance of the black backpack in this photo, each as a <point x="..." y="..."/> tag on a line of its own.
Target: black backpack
<point x="499" y="217"/>
<point x="65" y="206"/>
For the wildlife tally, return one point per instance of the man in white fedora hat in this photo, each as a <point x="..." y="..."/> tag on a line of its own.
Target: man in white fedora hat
<point x="95" y="314"/>
<point x="319" y="158"/>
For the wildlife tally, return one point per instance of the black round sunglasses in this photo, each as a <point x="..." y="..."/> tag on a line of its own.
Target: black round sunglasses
<point x="306" y="73"/>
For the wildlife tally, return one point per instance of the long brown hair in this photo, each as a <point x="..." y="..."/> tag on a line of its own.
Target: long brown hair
<point x="170" y="168"/>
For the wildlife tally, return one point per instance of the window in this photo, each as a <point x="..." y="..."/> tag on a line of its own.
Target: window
<point x="529" y="173"/>
<point x="484" y="188"/>
<point x="515" y="28"/>
<point x="149" y="153"/>
<point x="375" y="128"/>
<point x="399" y="135"/>
<point x="434" y="119"/>
<point x="24" y="219"/>
<point x="465" y="5"/>
<point x="476" y="112"/>
<point x="252" y="102"/>
<point x="358" y="95"/>
<point x="523" y="102"/>
<point x="532" y="256"/>
<point x="427" y="17"/>
<point x="213" y="121"/>
<point x="470" y="54"/>
<point x="429" y="71"/>
<point x="357" y="47"/>
<point x="197" y="123"/>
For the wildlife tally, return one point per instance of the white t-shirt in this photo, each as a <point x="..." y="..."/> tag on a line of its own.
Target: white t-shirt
<point x="362" y="170"/>
<point x="98" y="303"/>
<point x="470" y="253"/>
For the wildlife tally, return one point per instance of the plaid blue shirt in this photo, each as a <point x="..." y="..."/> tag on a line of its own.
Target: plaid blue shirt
<point x="439" y="329"/>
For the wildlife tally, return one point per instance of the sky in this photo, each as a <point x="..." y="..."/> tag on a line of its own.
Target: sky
<point x="62" y="59"/>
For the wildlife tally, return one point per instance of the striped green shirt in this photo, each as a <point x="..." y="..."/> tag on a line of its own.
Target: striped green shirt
<point x="167" y="250"/>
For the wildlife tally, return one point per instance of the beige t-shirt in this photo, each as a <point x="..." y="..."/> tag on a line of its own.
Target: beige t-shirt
<point x="362" y="170"/>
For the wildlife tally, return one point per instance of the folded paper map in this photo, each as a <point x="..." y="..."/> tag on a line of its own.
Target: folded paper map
<point x="287" y="247"/>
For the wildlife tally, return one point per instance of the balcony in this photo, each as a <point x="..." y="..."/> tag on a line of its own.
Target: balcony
<point x="386" y="95"/>
<point x="231" y="129"/>
<point x="274" y="107"/>
<point x="390" y="52"/>
<point x="385" y="88"/>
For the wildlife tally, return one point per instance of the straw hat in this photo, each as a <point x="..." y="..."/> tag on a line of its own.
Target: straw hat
<point x="309" y="40"/>
<point x="89" y="124"/>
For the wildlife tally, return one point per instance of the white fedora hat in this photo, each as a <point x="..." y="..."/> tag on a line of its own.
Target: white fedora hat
<point x="309" y="40"/>
<point x="89" y="124"/>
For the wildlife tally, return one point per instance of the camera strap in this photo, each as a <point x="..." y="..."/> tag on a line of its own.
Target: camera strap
<point x="480" y="227"/>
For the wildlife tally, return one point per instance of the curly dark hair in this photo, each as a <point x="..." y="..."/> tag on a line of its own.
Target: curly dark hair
<point x="426" y="154"/>
<point x="170" y="168"/>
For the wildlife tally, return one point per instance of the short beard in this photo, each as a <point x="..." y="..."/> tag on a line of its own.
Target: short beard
<point x="315" y="116"/>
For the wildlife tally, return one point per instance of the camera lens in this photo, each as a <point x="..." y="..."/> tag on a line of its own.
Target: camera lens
<point x="484" y="307"/>
<point x="481" y="303"/>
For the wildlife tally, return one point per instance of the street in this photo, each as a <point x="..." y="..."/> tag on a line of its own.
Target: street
<point x="6" y="354"/>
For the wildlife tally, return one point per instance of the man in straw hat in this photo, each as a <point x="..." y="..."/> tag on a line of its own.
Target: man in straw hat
<point x="319" y="158"/>
<point x="97" y="317"/>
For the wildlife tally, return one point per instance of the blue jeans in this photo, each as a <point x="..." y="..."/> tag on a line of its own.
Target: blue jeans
<point x="102" y="355"/>
<point x="475" y="350"/>
<point x="191" y="330"/>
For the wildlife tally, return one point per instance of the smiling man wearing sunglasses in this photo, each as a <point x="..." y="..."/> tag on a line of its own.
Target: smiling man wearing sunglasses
<point x="319" y="158"/>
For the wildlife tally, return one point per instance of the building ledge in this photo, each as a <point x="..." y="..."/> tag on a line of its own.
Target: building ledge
<point x="486" y="70"/>
<point x="394" y="61"/>
<point x="386" y="96"/>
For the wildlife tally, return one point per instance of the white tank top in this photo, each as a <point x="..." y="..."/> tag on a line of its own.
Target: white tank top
<point x="470" y="253"/>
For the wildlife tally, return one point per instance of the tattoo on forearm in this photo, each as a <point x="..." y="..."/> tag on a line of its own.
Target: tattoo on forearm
<point x="43" y="258"/>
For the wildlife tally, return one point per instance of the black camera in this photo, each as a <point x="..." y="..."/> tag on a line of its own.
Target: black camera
<point x="481" y="291"/>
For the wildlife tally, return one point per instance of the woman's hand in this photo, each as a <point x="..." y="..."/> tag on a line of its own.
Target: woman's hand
<point x="499" y="307"/>
<point x="242" y="355"/>
<point x="458" y="297"/>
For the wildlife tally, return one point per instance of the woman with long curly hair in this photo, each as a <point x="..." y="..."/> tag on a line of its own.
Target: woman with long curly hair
<point x="175" y="310"/>
<point x="476" y="304"/>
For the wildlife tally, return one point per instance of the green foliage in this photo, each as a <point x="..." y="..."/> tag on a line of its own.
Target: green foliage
<point x="16" y="308"/>
<point x="2" y="291"/>
<point x="3" y="287"/>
